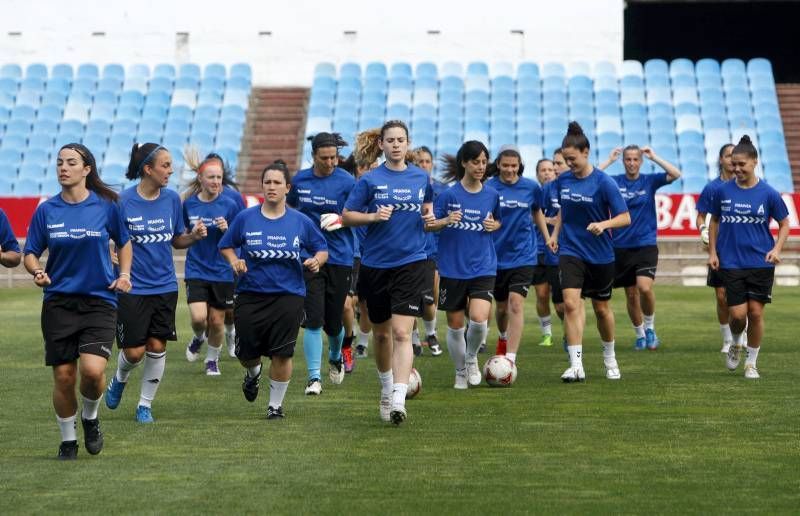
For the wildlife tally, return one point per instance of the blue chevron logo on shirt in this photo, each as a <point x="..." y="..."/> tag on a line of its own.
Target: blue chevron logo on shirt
<point x="149" y="239"/>
<point x="742" y="219"/>
<point x="405" y="206"/>
<point x="285" y="255"/>
<point x="467" y="226"/>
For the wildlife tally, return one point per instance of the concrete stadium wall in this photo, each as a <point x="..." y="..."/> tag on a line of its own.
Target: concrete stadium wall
<point x="284" y="40"/>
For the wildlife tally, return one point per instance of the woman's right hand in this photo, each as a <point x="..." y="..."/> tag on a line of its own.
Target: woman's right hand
<point x="384" y="213"/>
<point x="41" y="279"/>
<point x="239" y="267"/>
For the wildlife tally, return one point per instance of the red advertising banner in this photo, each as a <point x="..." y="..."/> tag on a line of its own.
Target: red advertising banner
<point x="676" y="213"/>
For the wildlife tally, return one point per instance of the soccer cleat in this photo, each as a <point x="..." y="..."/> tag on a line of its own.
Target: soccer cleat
<point x="347" y="355"/>
<point x="726" y="346"/>
<point x="250" y="386"/>
<point x="68" y="450"/>
<point x="114" y="392"/>
<point x="314" y="387"/>
<point x="398" y="414"/>
<point x="417" y="348"/>
<point x="461" y="382"/>
<point x="193" y="349"/>
<point x="482" y="348"/>
<point x="547" y="341"/>
<point x="386" y="407"/>
<point x="651" y="340"/>
<point x="612" y="370"/>
<point x="230" y="341"/>
<point x="433" y="345"/>
<point x="733" y="357"/>
<point x="573" y="374"/>
<point x="92" y="436"/>
<point x="361" y="351"/>
<point x="750" y="372"/>
<point x="144" y="414"/>
<point x="275" y="413"/>
<point x="473" y="373"/>
<point x="641" y="343"/>
<point x="212" y="368"/>
<point x="336" y="371"/>
<point x="502" y="344"/>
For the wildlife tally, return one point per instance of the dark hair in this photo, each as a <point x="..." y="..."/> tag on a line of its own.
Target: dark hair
<point x="575" y="137"/>
<point x="424" y="148"/>
<point x="745" y="146"/>
<point x="323" y="139"/>
<point x="493" y="168"/>
<point x="93" y="181"/>
<point x="280" y="166"/>
<point x="393" y="123"/>
<point x="538" y="163"/>
<point x="348" y="163"/>
<point x="142" y="155"/>
<point x="558" y="151"/>
<point x="454" y="165"/>
<point x="632" y="147"/>
<point x="722" y="153"/>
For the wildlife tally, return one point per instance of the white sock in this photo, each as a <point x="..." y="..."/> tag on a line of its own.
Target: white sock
<point x="650" y="321"/>
<point x="512" y="357"/>
<point x="609" y="356"/>
<point x="476" y="335"/>
<point x="230" y="329"/>
<point x="504" y="335"/>
<point x="399" y="394"/>
<point x="212" y="353"/>
<point x="67" y="426"/>
<point x="738" y="338"/>
<point x="457" y="348"/>
<point x="124" y="367"/>
<point x="387" y="381"/>
<point x="90" y="407"/>
<point x="546" y="325"/>
<point x="752" y="356"/>
<point x="200" y="334"/>
<point x="154" y="364"/>
<point x="415" y="337"/>
<point x="277" y="391"/>
<point x="430" y="326"/>
<point x="363" y="339"/>
<point x="725" y="330"/>
<point x="639" y="331"/>
<point x="575" y="355"/>
<point x="254" y="371"/>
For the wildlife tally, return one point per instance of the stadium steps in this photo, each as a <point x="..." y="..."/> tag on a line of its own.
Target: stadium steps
<point x="789" y="101"/>
<point x="273" y="129"/>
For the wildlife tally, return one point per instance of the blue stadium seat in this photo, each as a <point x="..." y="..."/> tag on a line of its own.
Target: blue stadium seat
<point x="656" y="67"/>
<point x="400" y="70"/>
<point x="187" y="83"/>
<point x="241" y="70"/>
<point x="398" y="112"/>
<point x="164" y="71"/>
<point x="325" y="70"/>
<point x="189" y="70"/>
<point x="426" y="83"/>
<point x="216" y="70"/>
<point x="27" y="186"/>
<point x="138" y="70"/>
<point x="375" y="69"/>
<point x="11" y="70"/>
<point x="232" y="112"/>
<point x="426" y="69"/>
<point x="424" y="111"/>
<point x="112" y="84"/>
<point x="707" y="67"/>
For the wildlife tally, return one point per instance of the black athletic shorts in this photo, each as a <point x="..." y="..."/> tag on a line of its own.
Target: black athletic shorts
<point x="744" y="284"/>
<point x="714" y="278"/>
<point x="354" y="277"/>
<point x="144" y="316"/>
<point x="594" y="279"/>
<point x="326" y="291"/>
<point x="518" y="279"/>
<point x="454" y="293"/>
<point x="72" y="325"/>
<point x="266" y="324"/>
<point x="632" y="262"/>
<point x="539" y="271"/>
<point x="430" y="281"/>
<point x="217" y="294"/>
<point x="398" y="290"/>
<point x="554" y="280"/>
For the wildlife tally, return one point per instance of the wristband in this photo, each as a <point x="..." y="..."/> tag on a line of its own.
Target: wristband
<point x="37" y="272"/>
<point x="125" y="274"/>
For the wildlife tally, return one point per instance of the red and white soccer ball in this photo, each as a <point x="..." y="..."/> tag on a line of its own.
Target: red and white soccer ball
<point x="499" y="371"/>
<point x="414" y="384"/>
<point x="330" y="221"/>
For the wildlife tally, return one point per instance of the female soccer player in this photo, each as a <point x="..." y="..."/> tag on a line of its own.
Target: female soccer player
<point x="146" y="320"/>
<point x="209" y="280"/>
<point x="515" y="243"/>
<point x="269" y="301"/>
<point x="586" y="255"/>
<point x="714" y="279"/>
<point x="742" y="249"/>
<point x="320" y="192"/>
<point x="9" y="247"/>
<point x="79" y="312"/>
<point x="466" y="214"/>
<point x="635" y="249"/>
<point x="394" y="200"/>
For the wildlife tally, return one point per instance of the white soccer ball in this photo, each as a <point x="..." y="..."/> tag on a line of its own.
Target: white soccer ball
<point x="499" y="371"/>
<point x="414" y="384"/>
<point x="330" y="221"/>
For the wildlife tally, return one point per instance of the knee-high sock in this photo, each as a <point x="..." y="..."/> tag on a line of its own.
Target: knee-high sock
<point x="124" y="367"/>
<point x="457" y="348"/>
<point x="312" y="349"/>
<point x="154" y="364"/>
<point x="476" y="334"/>
<point x="335" y="346"/>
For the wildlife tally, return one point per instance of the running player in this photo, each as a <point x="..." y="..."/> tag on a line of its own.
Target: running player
<point x="10" y="255"/>
<point x="743" y="250"/>
<point x="635" y="249"/>
<point x="587" y="197"/>
<point x="79" y="312"/>
<point x="545" y="173"/>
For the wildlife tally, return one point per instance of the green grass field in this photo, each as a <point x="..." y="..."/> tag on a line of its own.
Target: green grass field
<point x="678" y="433"/>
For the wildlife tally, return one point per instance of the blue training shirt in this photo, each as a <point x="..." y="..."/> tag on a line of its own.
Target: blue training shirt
<point x="401" y="239"/>
<point x="8" y="242"/>
<point x="550" y="207"/>
<point x="593" y="198"/>
<point x="203" y="259"/>
<point x="706" y="199"/>
<point x="640" y="198"/>
<point x="432" y="238"/>
<point x="466" y="250"/>
<point x="516" y="241"/>
<point x="234" y="195"/>
<point x="272" y="250"/>
<point x="744" y="238"/>
<point x="152" y="225"/>
<point x="313" y="196"/>
<point x="77" y="236"/>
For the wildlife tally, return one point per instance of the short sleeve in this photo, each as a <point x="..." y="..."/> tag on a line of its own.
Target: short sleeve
<point x="291" y="197"/>
<point x="496" y="206"/>
<point x="616" y="204"/>
<point x="777" y="207"/>
<point x="232" y="238"/>
<point x="440" y="206"/>
<point x="186" y="212"/>
<point x="704" y="201"/>
<point x="117" y="229"/>
<point x="179" y="227"/>
<point x="36" y="241"/>
<point x="659" y="180"/>
<point x="537" y="198"/>
<point x="313" y="240"/>
<point x="428" y="192"/>
<point x="713" y="205"/>
<point x="7" y="240"/>
<point x="358" y="200"/>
